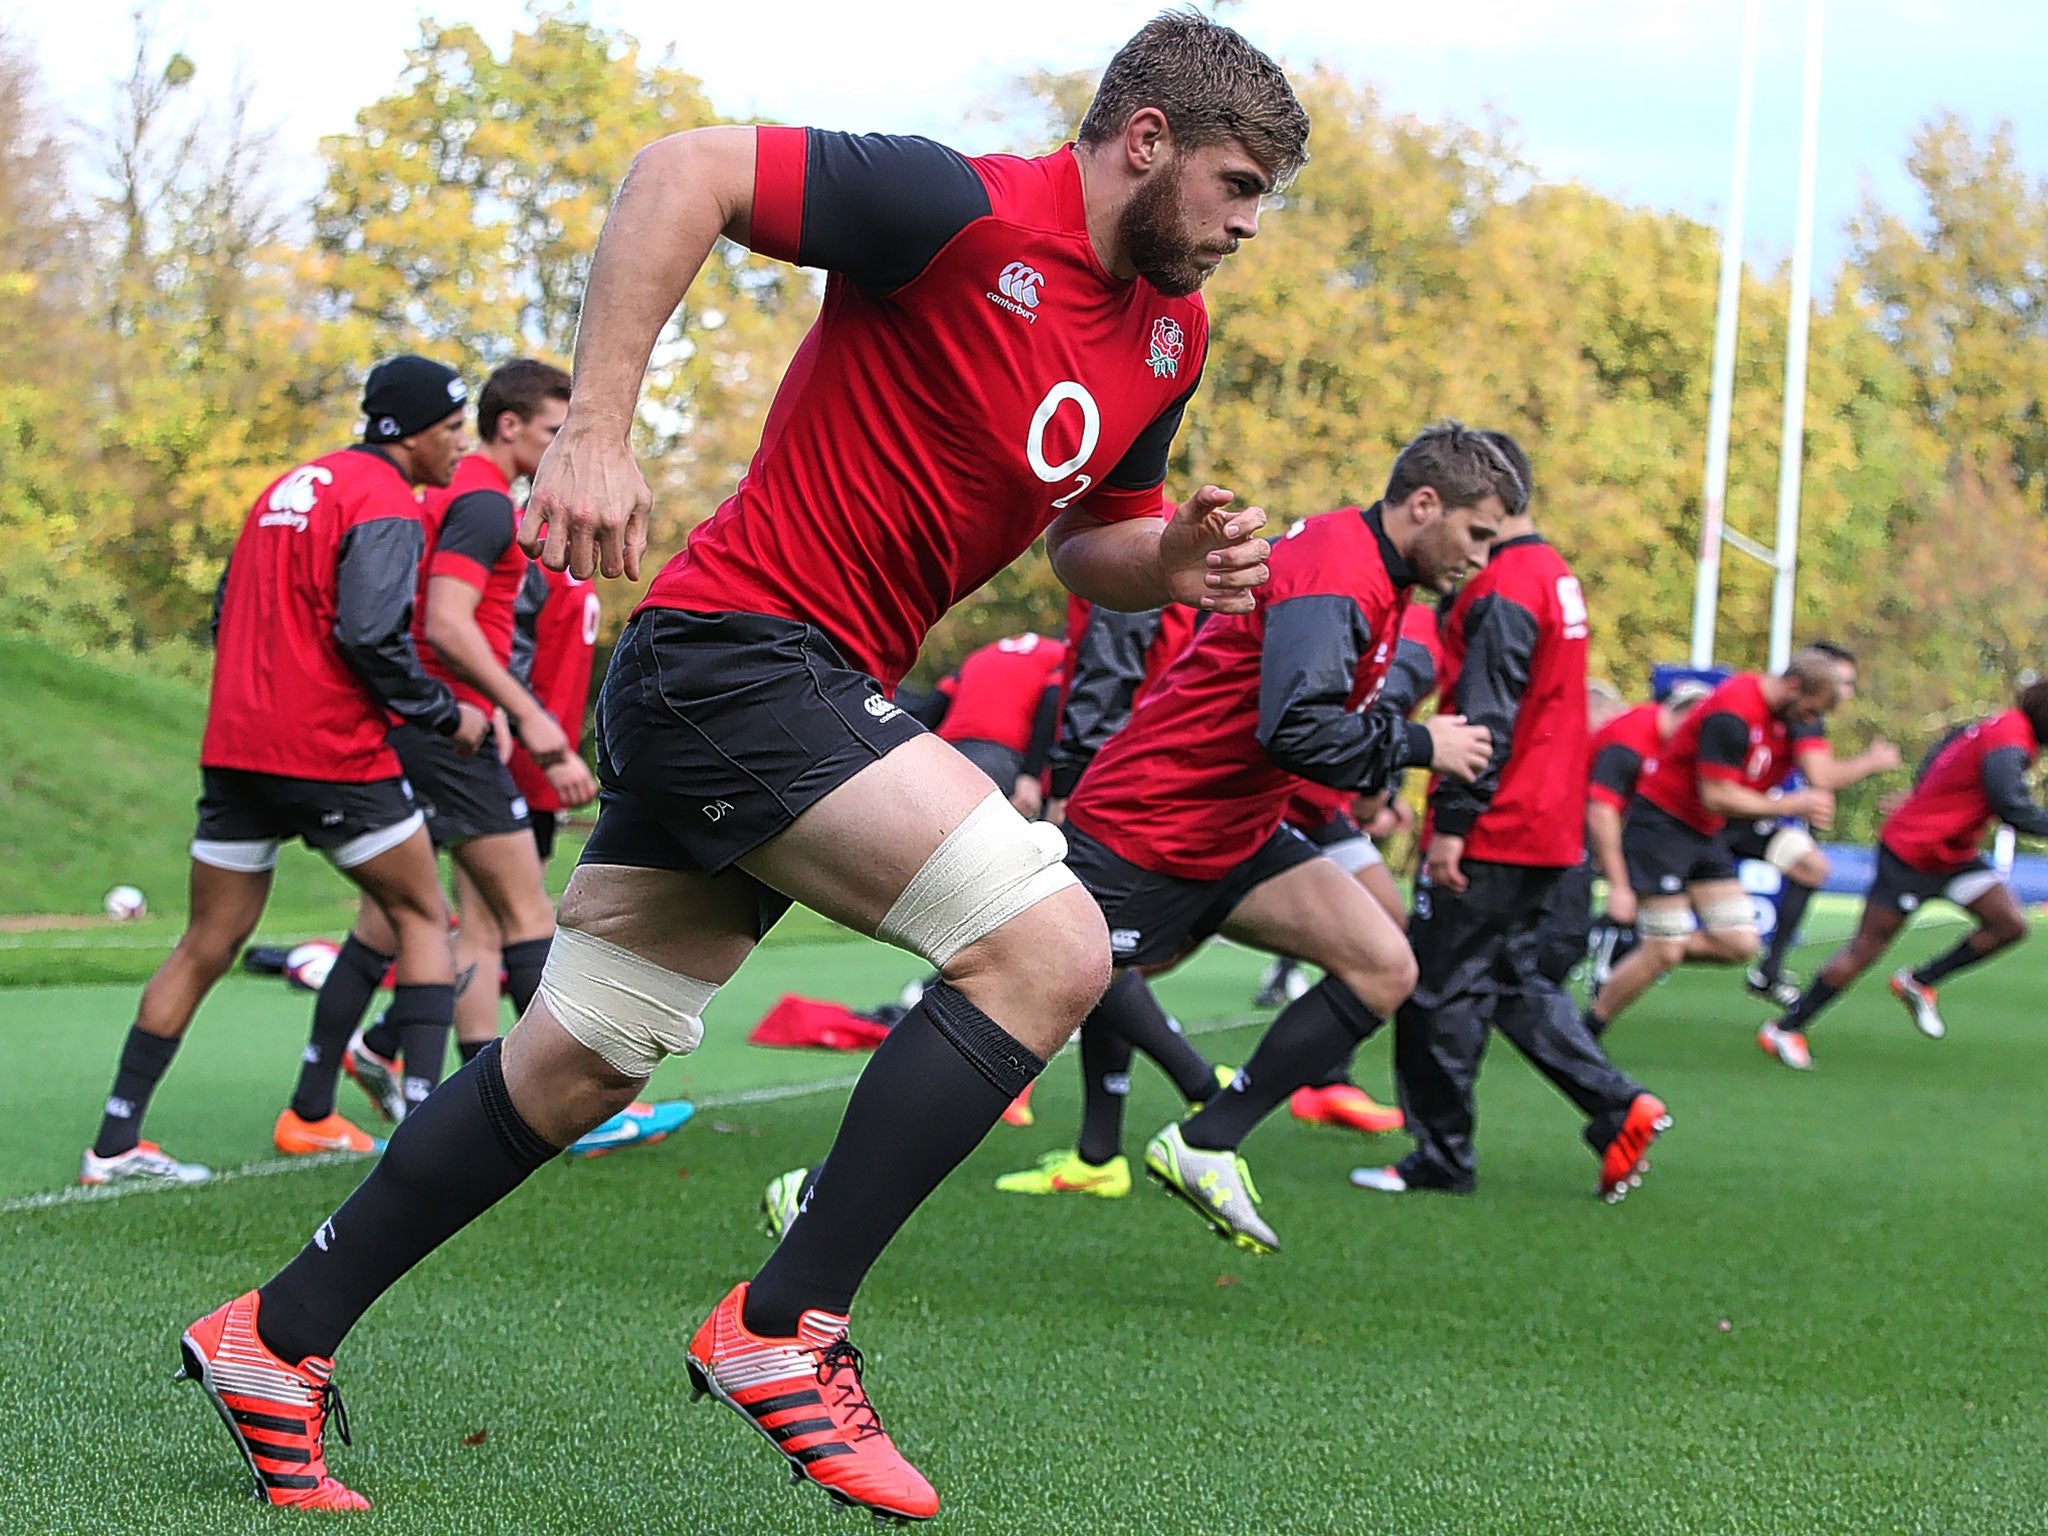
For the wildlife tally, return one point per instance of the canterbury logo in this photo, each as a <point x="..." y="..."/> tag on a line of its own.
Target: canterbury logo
<point x="294" y="496"/>
<point x="1021" y="283"/>
<point x="880" y="707"/>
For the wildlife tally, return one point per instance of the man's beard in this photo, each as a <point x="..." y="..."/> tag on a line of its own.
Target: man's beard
<point x="1155" y="239"/>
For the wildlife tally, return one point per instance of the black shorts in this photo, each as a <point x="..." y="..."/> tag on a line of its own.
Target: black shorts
<point x="243" y="816"/>
<point x="464" y="797"/>
<point x="1156" y="918"/>
<point x="1902" y="888"/>
<point x="544" y="824"/>
<point x="1665" y="855"/>
<point x="1002" y="764"/>
<point x="1750" y="839"/>
<point x="715" y="731"/>
<point x="1342" y="827"/>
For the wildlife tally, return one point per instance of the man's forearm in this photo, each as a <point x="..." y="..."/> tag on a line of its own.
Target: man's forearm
<point x="1114" y="565"/>
<point x="1721" y="798"/>
<point x="463" y="650"/>
<point x="1603" y="831"/>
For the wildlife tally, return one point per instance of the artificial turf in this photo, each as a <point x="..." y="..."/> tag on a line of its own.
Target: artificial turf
<point x="1823" y="1312"/>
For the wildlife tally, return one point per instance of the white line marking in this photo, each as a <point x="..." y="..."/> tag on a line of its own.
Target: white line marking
<point x="268" y="1168"/>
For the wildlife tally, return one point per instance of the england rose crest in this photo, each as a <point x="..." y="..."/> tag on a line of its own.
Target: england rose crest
<point x="1167" y="345"/>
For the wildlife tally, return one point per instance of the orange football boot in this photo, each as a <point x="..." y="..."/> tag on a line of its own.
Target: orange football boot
<point x="277" y="1413"/>
<point x="1345" y="1105"/>
<point x="805" y="1395"/>
<point x="298" y="1137"/>
<point x="1626" y="1159"/>
<point x="1018" y="1111"/>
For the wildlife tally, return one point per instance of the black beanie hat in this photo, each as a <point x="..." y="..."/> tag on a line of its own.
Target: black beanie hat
<point x="409" y="394"/>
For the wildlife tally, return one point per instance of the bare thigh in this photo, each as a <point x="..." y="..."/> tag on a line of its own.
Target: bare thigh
<point x="1329" y="919"/>
<point x="505" y="868"/>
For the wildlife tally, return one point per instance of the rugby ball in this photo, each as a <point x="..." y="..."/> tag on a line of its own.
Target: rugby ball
<point x="124" y="904"/>
<point x="307" y="965"/>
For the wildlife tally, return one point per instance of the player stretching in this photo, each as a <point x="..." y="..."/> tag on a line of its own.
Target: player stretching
<point x="1928" y="847"/>
<point x="311" y="647"/>
<point x="1728" y="759"/>
<point x="1176" y="828"/>
<point x="1005" y="349"/>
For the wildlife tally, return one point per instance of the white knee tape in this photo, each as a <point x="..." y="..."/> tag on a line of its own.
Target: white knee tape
<point x="990" y="867"/>
<point x="1665" y="923"/>
<point x="628" y="1010"/>
<point x="1728" y="914"/>
<point x="1788" y="845"/>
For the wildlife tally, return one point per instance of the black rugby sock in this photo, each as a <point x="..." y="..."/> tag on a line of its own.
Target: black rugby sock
<point x="1105" y="1089"/>
<point x="1129" y="1008"/>
<point x="453" y="1158"/>
<point x="523" y="964"/>
<point x="1792" y="900"/>
<point x="469" y="1050"/>
<point x="1963" y="952"/>
<point x="1818" y="995"/>
<point x="1318" y="1029"/>
<point x="423" y="1017"/>
<point x="383" y="1037"/>
<point x="936" y="1084"/>
<point x="336" y="1012"/>
<point x="144" y="1060"/>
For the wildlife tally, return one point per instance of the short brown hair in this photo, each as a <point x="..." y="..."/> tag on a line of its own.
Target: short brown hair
<point x="1213" y="87"/>
<point x="2033" y="703"/>
<point x="1462" y="466"/>
<point x="522" y="387"/>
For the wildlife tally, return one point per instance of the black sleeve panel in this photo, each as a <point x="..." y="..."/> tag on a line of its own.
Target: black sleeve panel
<point x="1105" y="665"/>
<point x="220" y="595"/>
<point x="2005" y="786"/>
<point x="1934" y="751"/>
<point x="1307" y="669"/>
<point x="1144" y="463"/>
<point x="1043" y="725"/>
<point x="374" y="582"/>
<point x="1617" y="768"/>
<point x="478" y="526"/>
<point x="879" y="207"/>
<point x="1410" y="679"/>
<point x="1500" y="646"/>
<point x="1724" y="740"/>
<point x="526" y="607"/>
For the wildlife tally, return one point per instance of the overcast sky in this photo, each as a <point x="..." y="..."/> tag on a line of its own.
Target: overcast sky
<point x="1635" y="97"/>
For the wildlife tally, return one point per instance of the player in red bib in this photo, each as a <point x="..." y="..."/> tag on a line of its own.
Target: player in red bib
<point x="310" y="648"/>
<point x="1930" y="846"/>
<point x="1729" y="758"/>
<point x="1004" y="351"/>
<point x="1177" y="828"/>
<point x="554" y="639"/>
<point x="1497" y="848"/>
<point x="1003" y="707"/>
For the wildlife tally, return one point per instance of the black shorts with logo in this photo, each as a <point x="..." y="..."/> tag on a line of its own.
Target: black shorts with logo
<point x="1747" y="839"/>
<point x="464" y="797"/>
<point x="1155" y="918"/>
<point x="1902" y="888"/>
<point x="1665" y="855"/>
<point x="715" y="731"/>
<point x="237" y="806"/>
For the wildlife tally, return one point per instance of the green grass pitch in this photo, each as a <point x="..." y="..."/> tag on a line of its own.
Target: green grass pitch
<point x="1823" y="1312"/>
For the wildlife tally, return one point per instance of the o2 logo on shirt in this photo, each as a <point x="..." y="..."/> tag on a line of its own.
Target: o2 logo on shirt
<point x="1571" y="604"/>
<point x="1066" y="392"/>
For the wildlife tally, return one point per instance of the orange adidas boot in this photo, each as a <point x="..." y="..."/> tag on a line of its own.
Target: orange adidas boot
<point x="1345" y="1105"/>
<point x="276" y="1413"/>
<point x="805" y="1395"/>
<point x="1626" y="1159"/>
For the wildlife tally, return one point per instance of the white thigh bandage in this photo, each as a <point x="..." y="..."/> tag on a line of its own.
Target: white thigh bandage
<point x="248" y="856"/>
<point x="990" y="867"/>
<point x="1728" y="914"/>
<point x="360" y="850"/>
<point x="1788" y="845"/>
<point x="628" y="1010"/>
<point x="1971" y="885"/>
<point x="1353" y="854"/>
<point x="1665" y="923"/>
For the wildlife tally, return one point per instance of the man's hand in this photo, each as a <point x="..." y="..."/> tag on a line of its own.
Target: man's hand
<point x="588" y="511"/>
<point x="1214" y="558"/>
<point x="572" y="780"/>
<point x="473" y="731"/>
<point x="501" y="735"/>
<point x="545" y="741"/>
<point x="1621" y="906"/>
<point x="1462" y="750"/>
<point x="1056" y="810"/>
<point x="1028" y="796"/>
<point x="1816" y="806"/>
<point x="1443" y="864"/>
<point x="1891" y="802"/>
<point x="1881" y="756"/>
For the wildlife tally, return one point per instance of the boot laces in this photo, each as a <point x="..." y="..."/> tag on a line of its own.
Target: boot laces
<point x="839" y="1370"/>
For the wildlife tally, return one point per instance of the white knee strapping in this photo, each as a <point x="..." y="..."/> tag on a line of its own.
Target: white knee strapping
<point x="246" y="856"/>
<point x="989" y="868"/>
<point x="360" y="850"/>
<point x="1665" y="923"/>
<point x="1971" y="885"/>
<point x="1353" y="854"/>
<point x="1788" y="845"/>
<point x="628" y="1010"/>
<point x="1728" y="914"/>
